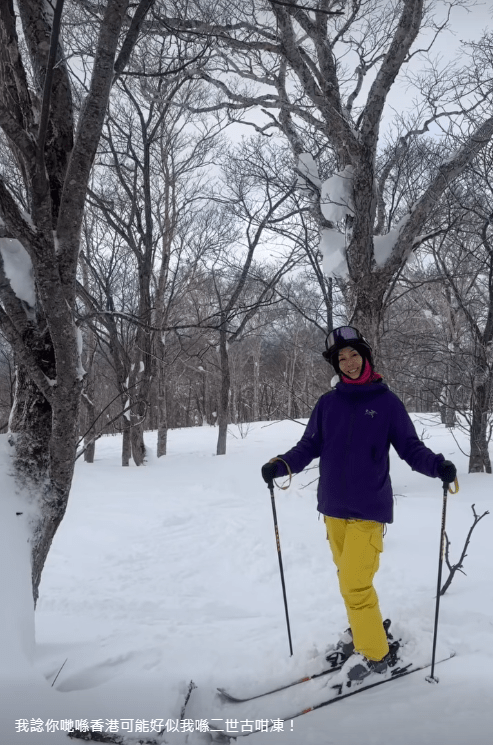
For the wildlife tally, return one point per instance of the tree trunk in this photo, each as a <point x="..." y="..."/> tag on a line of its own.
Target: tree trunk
<point x="137" y="443"/>
<point x="89" y="438"/>
<point x="479" y="459"/>
<point x="222" y="414"/>
<point x="88" y="395"/>
<point x="162" y="427"/>
<point x="256" y="383"/>
<point x="43" y="471"/>
<point x="233" y="398"/>
<point x="126" y="445"/>
<point x="447" y="410"/>
<point x="368" y="313"/>
<point x="140" y="368"/>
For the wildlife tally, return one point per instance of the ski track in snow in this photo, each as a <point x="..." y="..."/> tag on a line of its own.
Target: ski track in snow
<point x="168" y="573"/>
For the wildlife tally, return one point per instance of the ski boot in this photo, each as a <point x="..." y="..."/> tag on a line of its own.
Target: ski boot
<point x="358" y="667"/>
<point x="345" y="647"/>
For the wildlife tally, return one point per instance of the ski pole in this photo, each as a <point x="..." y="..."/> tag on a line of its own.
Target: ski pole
<point x="446" y="488"/>
<point x="270" y="486"/>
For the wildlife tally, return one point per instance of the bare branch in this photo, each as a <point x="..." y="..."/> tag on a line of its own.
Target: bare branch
<point x="459" y="566"/>
<point x="307" y="8"/>
<point x="132" y="34"/>
<point x="406" y="32"/>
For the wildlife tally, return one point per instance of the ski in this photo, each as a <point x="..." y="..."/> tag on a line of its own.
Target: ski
<point x="227" y="697"/>
<point x="334" y="658"/>
<point x="398" y="672"/>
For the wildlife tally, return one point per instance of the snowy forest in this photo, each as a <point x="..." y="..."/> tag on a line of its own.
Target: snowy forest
<point x="193" y="193"/>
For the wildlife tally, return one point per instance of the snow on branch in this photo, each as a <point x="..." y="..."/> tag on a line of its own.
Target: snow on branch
<point x="308" y="177"/>
<point x="18" y="269"/>
<point x="333" y="248"/>
<point x="384" y="244"/>
<point x="337" y="196"/>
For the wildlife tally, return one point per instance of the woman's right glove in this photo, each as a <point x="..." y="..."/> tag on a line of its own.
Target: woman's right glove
<point x="269" y="473"/>
<point x="447" y="472"/>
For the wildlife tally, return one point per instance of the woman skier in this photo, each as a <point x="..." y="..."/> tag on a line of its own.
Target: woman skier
<point x="351" y="429"/>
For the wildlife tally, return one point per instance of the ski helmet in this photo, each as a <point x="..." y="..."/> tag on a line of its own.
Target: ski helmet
<point x="346" y="336"/>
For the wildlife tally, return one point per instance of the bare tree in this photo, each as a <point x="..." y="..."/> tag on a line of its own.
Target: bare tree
<point x="260" y="208"/>
<point x="305" y="66"/>
<point x="42" y="224"/>
<point x="465" y="258"/>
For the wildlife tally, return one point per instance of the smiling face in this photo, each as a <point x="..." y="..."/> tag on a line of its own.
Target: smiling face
<point x="350" y="362"/>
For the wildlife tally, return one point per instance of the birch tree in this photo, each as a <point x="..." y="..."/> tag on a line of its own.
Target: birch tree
<point x="41" y="225"/>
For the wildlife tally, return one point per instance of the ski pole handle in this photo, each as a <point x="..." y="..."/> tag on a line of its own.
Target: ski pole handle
<point x="288" y="470"/>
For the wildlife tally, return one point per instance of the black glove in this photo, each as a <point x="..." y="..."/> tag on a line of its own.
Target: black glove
<point x="269" y="472"/>
<point x="447" y="471"/>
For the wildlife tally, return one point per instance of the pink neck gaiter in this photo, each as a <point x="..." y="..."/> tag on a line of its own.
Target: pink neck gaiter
<point x="367" y="376"/>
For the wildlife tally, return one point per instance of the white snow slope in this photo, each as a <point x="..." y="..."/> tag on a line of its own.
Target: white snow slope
<point x="169" y="573"/>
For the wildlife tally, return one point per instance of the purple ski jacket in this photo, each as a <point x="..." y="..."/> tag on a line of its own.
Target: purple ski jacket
<point x="351" y="430"/>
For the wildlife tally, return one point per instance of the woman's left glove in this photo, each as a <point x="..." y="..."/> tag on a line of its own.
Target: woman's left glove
<point x="447" y="472"/>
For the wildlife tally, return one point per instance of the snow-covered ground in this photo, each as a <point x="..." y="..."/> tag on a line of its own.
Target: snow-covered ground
<point x="169" y="573"/>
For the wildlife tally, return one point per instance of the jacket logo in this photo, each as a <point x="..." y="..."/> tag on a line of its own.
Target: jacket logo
<point x="370" y="412"/>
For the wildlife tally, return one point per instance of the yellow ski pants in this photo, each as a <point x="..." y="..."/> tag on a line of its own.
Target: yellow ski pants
<point x="356" y="547"/>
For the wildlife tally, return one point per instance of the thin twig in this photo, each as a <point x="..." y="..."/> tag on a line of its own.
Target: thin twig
<point x="58" y="673"/>
<point x="453" y="568"/>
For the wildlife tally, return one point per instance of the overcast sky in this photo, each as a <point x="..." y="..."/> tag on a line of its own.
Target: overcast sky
<point x="466" y="25"/>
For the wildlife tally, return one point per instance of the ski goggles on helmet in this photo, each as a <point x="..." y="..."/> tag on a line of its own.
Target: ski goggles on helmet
<point x="341" y="337"/>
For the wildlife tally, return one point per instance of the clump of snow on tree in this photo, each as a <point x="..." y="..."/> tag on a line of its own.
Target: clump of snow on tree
<point x="337" y="195"/>
<point x="18" y="269"/>
<point x="307" y="173"/>
<point x="80" y="346"/>
<point x="384" y="244"/>
<point x="333" y="248"/>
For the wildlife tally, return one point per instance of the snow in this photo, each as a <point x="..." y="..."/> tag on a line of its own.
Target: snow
<point x="169" y="573"/>
<point x="333" y="249"/>
<point x="16" y="617"/>
<point x="307" y="173"/>
<point x="336" y="195"/>
<point x="80" y="347"/>
<point x="18" y="269"/>
<point x="383" y="244"/>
